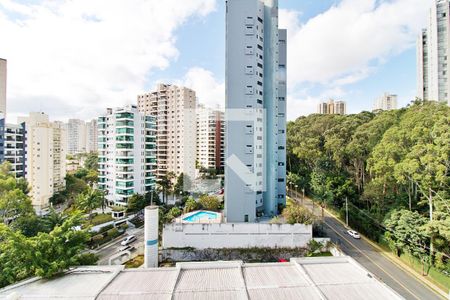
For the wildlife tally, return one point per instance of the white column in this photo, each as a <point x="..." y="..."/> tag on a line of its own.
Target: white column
<point x="151" y="236"/>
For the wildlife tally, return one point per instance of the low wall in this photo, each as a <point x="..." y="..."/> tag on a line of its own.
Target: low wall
<point x="236" y="235"/>
<point x="246" y="255"/>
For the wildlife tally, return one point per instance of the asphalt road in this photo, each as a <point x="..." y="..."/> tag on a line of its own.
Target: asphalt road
<point x="368" y="256"/>
<point x="112" y="249"/>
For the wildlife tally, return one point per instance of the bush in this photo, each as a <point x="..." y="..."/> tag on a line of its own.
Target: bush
<point x="296" y="214"/>
<point x="101" y="218"/>
<point x="209" y="202"/>
<point x="114" y="232"/>
<point x="106" y="228"/>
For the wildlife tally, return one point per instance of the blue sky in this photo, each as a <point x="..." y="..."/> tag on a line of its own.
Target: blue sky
<point x="74" y="59"/>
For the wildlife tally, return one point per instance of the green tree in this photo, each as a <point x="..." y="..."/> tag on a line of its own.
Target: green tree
<point x="190" y="205"/>
<point x="136" y="202"/>
<point x="89" y="200"/>
<point x="91" y="162"/>
<point x="46" y="254"/>
<point x="210" y="202"/>
<point x="296" y="214"/>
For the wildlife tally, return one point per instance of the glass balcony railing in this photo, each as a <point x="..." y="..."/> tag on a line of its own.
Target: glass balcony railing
<point x="124" y="115"/>
<point x="124" y="146"/>
<point x="125" y="138"/>
<point x="124" y="161"/>
<point x="125" y="130"/>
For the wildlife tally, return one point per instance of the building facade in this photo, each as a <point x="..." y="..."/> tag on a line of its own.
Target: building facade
<point x="91" y="136"/>
<point x="432" y="55"/>
<point x="332" y="107"/>
<point x="45" y="157"/>
<point x="3" y="71"/>
<point x="255" y="108"/>
<point x="13" y="146"/>
<point x="386" y="102"/>
<point x="76" y="136"/>
<point x="210" y="138"/>
<point x="127" y="160"/>
<point x="173" y="107"/>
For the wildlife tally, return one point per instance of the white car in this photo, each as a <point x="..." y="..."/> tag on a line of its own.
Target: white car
<point x="128" y="240"/>
<point x="354" y="234"/>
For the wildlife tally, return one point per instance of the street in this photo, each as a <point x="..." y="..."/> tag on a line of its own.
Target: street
<point x="370" y="257"/>
<point x="110" y="250"/>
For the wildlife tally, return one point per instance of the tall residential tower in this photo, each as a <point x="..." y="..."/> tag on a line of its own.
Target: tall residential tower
<point x="174" y="110"/>
<point x="255" y="141"/>
<point x="433" y="53"/>
<point x="126" y="142"/>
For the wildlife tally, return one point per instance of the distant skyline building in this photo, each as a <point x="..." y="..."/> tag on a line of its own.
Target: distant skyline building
<point x="255" y="95"/>
<point x="91" y="136"/>
<point x="13" y="147"/>
<point x="385" y="102"/>
<point x="127" y="160"/>
<point x="433" y="53"/>
<point x="45" y="157"/>
<point x="332" y="107"/>
<point x="174" y="109"/>
<point x="3" y="82"/>
<point x="82" y="136"/>
<point x="76" y="136"/>
<point x="210" y="138"/>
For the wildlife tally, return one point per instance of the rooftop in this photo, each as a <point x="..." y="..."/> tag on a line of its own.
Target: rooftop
<point x="301" y="278"/>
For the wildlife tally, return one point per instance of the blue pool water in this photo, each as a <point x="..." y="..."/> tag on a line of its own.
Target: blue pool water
<point x="201" y="215"/>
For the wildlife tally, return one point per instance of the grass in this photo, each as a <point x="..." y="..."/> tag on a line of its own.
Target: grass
<point x="135" y="262"/>
<point x="434" y="275"/>
<point x="99" y="219"/>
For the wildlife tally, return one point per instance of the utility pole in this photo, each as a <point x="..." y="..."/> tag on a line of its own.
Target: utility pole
<point x="346" y="210"/>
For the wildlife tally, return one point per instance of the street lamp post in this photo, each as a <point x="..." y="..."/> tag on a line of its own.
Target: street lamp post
<point x="296" y="193"/>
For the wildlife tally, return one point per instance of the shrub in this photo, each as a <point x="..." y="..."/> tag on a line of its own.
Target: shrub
<point x="296" y="214"/>
<point x="114" y="232"/>
<point x="209" y="202"/>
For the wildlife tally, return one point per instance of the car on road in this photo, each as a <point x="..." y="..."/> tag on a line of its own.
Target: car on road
<point x="128" y="240"/>
<point x="126" y="248"/>
<point x="353" y="234"/>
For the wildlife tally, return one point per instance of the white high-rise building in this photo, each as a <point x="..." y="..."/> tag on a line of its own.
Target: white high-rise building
<point x="3" y="70"/>
<point x="255" y="138"/>
<point x="385" y="102"/>
<point x="127" y="161"/>
<point x="174" y="110"/>
<point x="82" y="136"/>
<point x="210" y="138"/>
<point x="45" y="157"/>
<point x="91" y="136"/>
<point x="76" y="136"/>
<point x="433" y="55"/>
<point x="13" y="146"/>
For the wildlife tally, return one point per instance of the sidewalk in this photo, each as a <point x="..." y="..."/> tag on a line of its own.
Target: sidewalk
<point x="390" y="256"/>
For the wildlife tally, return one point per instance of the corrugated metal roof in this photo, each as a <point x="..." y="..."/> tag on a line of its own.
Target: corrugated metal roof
<point x="141" y="284"/>
<point x="305" y="278"/>
<point x="273" y="275"/>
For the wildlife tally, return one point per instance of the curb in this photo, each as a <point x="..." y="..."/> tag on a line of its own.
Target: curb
<point x="395" y="260"/>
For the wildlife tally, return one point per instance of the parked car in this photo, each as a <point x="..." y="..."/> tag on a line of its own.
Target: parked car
<point x="353" y="234"/>
<point x="126" y="248"/>
<point x="128" y="240"/>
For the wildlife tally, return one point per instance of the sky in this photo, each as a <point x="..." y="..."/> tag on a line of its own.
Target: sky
<point x="73" y="59"/>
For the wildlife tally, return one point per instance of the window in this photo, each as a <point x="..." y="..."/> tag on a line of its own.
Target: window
<point x="246" y="218"/>
<point x="249" y="70"/>
<point x="249" y="90"/>
<point x="280" y="179"/>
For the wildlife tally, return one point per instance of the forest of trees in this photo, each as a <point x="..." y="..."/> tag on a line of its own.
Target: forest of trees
<point x="392" y="166"/>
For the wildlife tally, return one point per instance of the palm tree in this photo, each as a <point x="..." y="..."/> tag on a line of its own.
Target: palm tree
<point x="53" y="219"/>
<point x="89" y="200"/>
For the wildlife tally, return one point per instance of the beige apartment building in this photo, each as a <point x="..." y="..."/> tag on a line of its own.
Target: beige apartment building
<point x="45" y="157"/>
<point x="174" y="110"/>
<point x="210" y="138"/>
<point x="332" y="107"/>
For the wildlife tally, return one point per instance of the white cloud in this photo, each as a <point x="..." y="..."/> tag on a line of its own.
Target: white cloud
<point x="209" y="90"/>
<point x="74" y="58"/>
<point x="347" y="43"/>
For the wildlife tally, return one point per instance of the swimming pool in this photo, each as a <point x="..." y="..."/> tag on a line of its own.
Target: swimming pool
<point x="201" y="216"/>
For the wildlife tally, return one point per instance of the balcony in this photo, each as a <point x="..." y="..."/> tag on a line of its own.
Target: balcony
<point x="125" y="115"/>
<point x="124" y="146"/>
<point x="124" y="124"/>
<point x="124" y="161"/>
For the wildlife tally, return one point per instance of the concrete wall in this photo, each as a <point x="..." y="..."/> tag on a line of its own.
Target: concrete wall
<point x="236" y="235"/>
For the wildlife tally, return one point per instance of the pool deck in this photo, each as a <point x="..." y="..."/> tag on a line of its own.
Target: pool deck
<point x="202" y="220"/>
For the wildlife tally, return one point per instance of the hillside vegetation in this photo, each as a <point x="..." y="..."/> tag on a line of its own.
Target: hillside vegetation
<point x="393" y="167"/>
